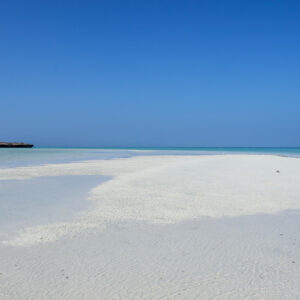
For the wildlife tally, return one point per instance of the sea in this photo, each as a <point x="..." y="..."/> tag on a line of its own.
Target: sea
<point x="15" y="157"/>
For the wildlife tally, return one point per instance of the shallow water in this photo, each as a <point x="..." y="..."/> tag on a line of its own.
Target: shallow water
<point x="37" y="156"/>
<point x="254" y="256"/>
<point x="48" y="200"/>
<point x="10" y="157"/>
<point x="42" y="200"/>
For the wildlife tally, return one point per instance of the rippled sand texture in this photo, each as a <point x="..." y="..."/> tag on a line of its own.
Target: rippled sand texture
<point x="165" y="227"/>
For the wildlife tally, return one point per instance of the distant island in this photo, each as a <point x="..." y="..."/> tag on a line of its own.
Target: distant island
<point x="15" y="145"/>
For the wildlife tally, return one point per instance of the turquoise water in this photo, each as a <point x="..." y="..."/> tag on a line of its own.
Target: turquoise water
<point x="36" y="156"/>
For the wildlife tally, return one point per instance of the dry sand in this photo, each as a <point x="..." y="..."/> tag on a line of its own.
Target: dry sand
<point x="165" y="227"/>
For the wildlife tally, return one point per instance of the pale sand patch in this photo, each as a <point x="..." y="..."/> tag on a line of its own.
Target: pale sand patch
<point x="168" y="189"/>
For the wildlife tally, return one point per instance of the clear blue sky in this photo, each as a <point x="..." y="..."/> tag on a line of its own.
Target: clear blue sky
<point x="150" y="73"/>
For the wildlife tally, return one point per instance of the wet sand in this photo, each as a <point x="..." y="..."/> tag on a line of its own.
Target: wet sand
<point x="165" y="227"/>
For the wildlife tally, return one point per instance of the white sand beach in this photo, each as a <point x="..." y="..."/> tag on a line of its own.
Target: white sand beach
<point x="164" y="227"/>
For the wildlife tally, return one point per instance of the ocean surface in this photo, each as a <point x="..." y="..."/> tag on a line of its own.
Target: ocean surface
<point x="10" y="157"/>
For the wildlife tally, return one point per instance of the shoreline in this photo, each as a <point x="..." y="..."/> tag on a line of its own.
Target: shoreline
<point x="13" y="158"/>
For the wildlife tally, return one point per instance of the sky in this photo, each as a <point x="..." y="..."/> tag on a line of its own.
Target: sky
<point x="150" y="73"/>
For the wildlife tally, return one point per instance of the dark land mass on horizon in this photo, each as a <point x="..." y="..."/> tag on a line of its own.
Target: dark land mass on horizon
<point x="15" y="145"/>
